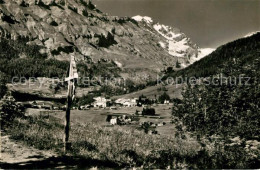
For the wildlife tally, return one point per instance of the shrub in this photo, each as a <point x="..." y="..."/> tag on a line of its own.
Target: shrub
<point x="83" y="2"/>
<point x="85" y="13"/>
<point x="66" y="49"/>
<point x="8" y="19"/>
<point x="73" y="9"/>
<point x="24" y="4"/>
<point x="164" y="97"/>
<point x="86" y="99"/>
<point x="41" y="4"/>
<point x="62" y="2"/>
<point x="109" y="117"/>
<point x="54" y="23"/>
<point x="3" y="87"/>
<point x="178" y="64"/>
<point x="9" y="111"/>
<point x="91" y="5"/>
<point x="148" y="111"/>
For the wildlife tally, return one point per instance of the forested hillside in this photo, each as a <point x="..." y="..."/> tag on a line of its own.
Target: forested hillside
<point x="224" y="107"/>
<point x="227" y="106"/>
<point x="22" y="60"/>
<point x="19" y="60"/>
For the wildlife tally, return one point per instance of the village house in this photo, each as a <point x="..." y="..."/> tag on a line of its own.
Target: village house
<point x="100" y="102"/>
<point x="113" y="121"/>
<point x="166" y="102"/>
<point x="119" y="120"/>
<point x="127" y="102"/>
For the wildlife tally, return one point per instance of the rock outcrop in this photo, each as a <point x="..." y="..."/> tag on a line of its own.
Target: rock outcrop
<point x="63" y="27"/>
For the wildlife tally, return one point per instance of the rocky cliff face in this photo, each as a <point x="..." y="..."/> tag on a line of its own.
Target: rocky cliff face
<point x="137" y="45"/>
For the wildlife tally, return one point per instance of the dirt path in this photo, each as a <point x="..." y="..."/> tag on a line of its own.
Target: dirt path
<point x="15" y="152"/>
<point x="15" y="155"/>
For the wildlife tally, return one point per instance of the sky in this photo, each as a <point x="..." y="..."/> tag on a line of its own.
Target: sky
<point x="209" y="23"/>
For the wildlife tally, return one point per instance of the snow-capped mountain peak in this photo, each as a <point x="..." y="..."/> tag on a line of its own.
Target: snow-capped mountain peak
<point x="176" y="43"/>
<point x="146" y="19"/>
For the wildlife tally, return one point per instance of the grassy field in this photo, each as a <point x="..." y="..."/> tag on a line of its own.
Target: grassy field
<point x="120" y="147"/>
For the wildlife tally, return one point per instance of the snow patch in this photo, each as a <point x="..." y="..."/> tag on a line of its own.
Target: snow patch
<point x="251" y="33"/>
<point x="203" y="52"/>
<point x="166" y="31"/>
<point x="178" y="48"/>
<point x="143" y="18"/>
<point x="118" y="64"/>
<point x="162" y="44"/>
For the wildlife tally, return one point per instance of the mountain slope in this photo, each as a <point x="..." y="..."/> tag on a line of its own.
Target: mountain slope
<point x="62" y="27"/>
<point x="245" y="50"/>
<point x="244" y="53"/>
<point x="226" y="101"/>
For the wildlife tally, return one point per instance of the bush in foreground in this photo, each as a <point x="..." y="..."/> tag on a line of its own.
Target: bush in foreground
<point x="9" y="111"/>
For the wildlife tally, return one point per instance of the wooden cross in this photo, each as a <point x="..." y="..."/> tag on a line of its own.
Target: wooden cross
<point x="73" y="75"/>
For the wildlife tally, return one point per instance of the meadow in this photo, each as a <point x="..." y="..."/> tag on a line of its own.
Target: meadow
<point x="124" y="148"/>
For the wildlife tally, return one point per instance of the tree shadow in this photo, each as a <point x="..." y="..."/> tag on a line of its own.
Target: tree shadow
<point x="67" y="162"/>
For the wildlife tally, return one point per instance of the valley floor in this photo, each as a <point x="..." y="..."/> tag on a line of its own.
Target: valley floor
<point x="98" y="116"/>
